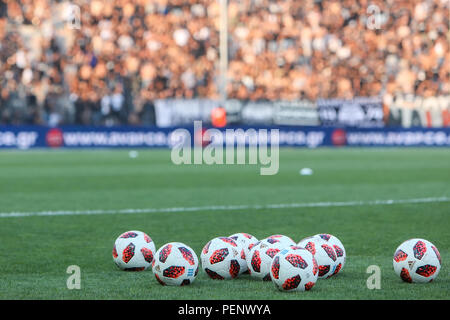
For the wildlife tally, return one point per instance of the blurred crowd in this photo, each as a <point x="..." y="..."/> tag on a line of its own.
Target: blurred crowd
<point x="105" y="62"/>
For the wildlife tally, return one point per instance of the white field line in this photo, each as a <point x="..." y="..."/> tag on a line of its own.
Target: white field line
<point x="225" y="207"/>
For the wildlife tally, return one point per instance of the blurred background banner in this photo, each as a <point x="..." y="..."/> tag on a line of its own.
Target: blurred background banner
<point x="176" y="112"/>
<point x="359" y="112"/>
<point x="298" y="113"/>
<point x="415" y="111"/>
<point x="369" y="112"/>
<point x="26" y="137"/>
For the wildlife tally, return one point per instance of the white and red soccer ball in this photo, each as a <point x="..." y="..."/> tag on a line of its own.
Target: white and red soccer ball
<point x="246" y="241"/>
<point x="325" y="255"/>
<point x="280" y="240"/>
<point x="133" y="251"/>
<point x="175" y="264"/>
<point x="222" y="258"/>
<point x="294" y="269"/>
<point x="417" y="260"/>
<point x="338" y="247"/>
<point x="260" y="257"/>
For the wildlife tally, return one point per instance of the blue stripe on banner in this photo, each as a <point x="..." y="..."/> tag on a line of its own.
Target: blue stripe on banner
<point x="26" y="137"/>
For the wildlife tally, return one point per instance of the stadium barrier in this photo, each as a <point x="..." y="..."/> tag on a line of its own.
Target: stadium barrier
<point x="28" y="137"/>
<point x="362" y="112"/>
<point x="359" y="112"/>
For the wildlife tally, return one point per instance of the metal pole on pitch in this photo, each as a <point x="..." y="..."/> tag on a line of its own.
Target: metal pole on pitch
<point x="223" y="50"/>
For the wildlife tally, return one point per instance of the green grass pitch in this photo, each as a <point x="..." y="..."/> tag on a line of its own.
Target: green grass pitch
<point x="35" y="251"/>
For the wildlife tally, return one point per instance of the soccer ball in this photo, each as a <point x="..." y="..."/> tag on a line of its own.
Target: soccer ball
<point x="338" y="247"/>
<point x="246" y="241"/>
<point x="133" y="251"/>
<point x="221" y="258"/>
<point x="417" y="260"/>
<point x="175" y="264"/>
<point x="324" y="254"/>
<point x="261" y="255"/>
<point x="282" y="240"/>
<point x="294" y="269"/>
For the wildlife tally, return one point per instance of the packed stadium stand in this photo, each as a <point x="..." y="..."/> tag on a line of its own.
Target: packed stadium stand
<point x="111" y="65"/>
